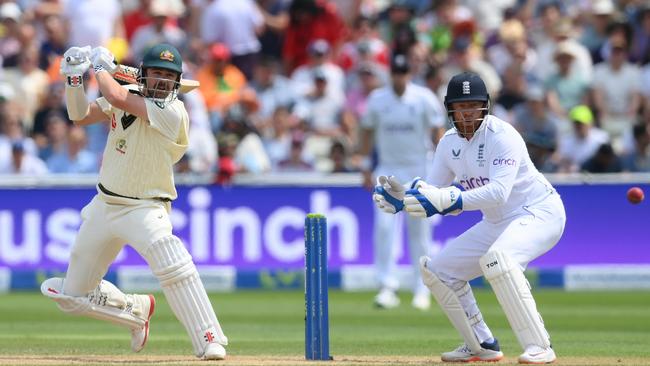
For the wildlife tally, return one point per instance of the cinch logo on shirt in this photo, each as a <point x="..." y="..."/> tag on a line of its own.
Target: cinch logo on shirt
<point x="474" y="182"/>
<point x="504" y="162"/>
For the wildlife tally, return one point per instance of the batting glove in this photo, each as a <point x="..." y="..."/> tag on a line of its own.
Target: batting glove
<point x="103" y="60"/>
<point x="424" y="200"/>
<point x="74" y="64"/>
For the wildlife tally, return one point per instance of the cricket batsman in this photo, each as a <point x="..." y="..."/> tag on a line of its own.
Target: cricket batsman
<point x="523" y="218"/>
<point x="148" y="135"/>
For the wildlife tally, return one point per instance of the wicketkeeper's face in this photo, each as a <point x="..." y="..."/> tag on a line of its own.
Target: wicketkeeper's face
<point x="468" y="116"/>
<point x="159" y="83"/>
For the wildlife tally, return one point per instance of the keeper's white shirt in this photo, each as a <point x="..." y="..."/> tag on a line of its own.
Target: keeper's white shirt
<point x="139" y="155"/>
<point x="493" y="168"/>
<point x="402" y="125"/>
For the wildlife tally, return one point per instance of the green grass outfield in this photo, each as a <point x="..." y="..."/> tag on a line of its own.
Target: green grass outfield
<point x="267" y="328"/>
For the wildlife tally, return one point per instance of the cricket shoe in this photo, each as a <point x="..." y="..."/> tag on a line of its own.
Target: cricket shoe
<point x="489" y="352"/>
<point x="214" y="351"/>
<point x="386" y="299"/>
<point x="537" y="355"/>
<point x="140" y="336"/>
<point x="421" y="301"/>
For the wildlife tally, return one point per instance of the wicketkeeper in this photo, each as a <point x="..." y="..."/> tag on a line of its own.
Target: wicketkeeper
<point x="148" y="135"/>
<point x="523" y="218"/>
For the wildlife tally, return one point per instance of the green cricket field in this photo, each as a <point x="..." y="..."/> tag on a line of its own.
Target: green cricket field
<point x="267" y="328"/>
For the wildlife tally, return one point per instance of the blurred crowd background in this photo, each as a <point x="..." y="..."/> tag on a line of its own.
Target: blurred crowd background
<point x="284" y="83"/>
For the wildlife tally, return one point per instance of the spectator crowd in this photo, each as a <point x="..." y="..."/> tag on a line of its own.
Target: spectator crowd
<point x="284" y="83"/>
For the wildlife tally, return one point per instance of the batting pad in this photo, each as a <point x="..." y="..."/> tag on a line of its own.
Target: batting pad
<point x="106" y="303"/>
<point x="180" y="281"/>
<point x="451" y="305"/>
<point x="513" y="292"/>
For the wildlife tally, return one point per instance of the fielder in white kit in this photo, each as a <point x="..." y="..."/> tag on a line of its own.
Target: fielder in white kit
<point x="401" y="122"/>
<point x="148" y="135"/>
<point x="523" y="217"/>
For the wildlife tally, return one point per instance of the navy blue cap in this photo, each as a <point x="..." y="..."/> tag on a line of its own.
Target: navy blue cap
<point x="399" y="64"/>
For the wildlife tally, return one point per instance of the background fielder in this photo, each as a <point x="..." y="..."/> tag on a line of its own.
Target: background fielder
<point x="148" y="135"/>
<point x="401" y="123"/>
<point x="523" y="217"/>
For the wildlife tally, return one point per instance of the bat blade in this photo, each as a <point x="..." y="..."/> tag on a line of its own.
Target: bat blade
<point x="129" y="75"/>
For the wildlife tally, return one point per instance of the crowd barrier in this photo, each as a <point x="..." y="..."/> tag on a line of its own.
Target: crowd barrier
<point x="250" y="234"/>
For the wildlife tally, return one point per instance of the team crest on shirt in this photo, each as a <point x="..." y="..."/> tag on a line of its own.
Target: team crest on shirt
<point x="167" y="55"/>
<point x="480" y="159"/>
<point x="120" y="146"/>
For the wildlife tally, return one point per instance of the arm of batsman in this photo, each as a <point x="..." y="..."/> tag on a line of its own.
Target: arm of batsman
<point x="424" y="200"/>
<point x="103" y="59"/>
<point x="389" y="193"/>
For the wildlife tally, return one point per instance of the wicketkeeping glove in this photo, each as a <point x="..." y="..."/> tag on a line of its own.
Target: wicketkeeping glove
<point x="389" y="193"/>
<point x="425" y="200"/>
<point x="103" y="60"/>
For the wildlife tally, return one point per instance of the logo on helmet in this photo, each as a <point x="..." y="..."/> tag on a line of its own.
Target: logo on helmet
<point x="466" y="88"/>
<point x="167" y="56"/>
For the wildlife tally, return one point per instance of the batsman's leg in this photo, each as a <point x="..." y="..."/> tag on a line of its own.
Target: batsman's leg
<point x="107" y="303"/>
<point x="180" y="281"/>
<point x="83" y="291"/>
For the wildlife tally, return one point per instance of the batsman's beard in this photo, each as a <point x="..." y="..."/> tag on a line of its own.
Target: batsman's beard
<point x="164" y="90"/>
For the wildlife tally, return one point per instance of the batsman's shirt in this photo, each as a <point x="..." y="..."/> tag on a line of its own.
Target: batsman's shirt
<point x="139" y="155"/>
<point x="493" y="168"/>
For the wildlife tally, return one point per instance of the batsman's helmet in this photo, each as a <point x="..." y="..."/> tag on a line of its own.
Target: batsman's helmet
<point x="466" y="87"/>
<point x="164" y="56"/>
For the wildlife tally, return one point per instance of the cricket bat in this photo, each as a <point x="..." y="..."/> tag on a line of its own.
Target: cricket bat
<point x="129" y="75"/>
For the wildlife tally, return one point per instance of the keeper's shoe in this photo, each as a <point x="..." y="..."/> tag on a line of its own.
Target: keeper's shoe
<point x="140" y="336"/>
<point x="490" y="352"/>
<point x="386" y="299"/>
<point x="537" y="355"/>
<point x="214" y="351"/>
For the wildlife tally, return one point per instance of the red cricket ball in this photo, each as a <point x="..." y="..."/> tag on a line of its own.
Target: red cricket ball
<point x="635" y="195"/>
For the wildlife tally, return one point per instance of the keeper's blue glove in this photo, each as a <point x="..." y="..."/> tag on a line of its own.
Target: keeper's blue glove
<point x="389" y="193"/>
<point x="424" y="200"/>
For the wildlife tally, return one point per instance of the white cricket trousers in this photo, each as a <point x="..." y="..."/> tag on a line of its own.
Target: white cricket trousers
<point x="108" y="223"/>
<point x="526" y="235"/>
